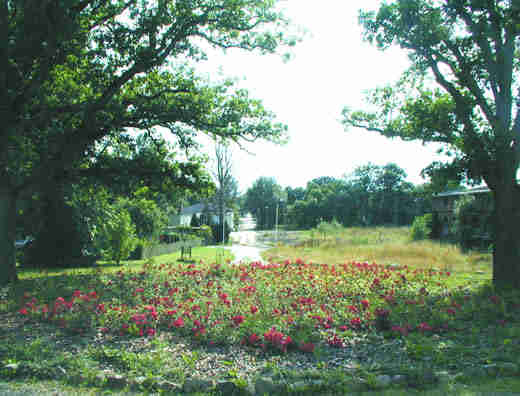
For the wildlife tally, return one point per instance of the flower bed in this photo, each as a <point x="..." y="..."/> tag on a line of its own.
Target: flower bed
<point x="276" y="306"/>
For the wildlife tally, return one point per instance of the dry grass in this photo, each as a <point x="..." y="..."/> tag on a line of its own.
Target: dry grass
<point x="383" y="246"/>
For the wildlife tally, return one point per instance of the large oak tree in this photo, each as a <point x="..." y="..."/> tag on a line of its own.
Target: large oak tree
<point x="461" y="91"/>
<point x="76" y="72"/>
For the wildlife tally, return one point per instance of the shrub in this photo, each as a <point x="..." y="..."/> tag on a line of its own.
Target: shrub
<point x="328" y="228"/>
<point x="421" y="227"/>
<point x="116" y="238"/>
<point x="472" y="227"/>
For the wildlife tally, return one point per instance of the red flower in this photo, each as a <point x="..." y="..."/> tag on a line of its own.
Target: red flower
<point x="343" y="328"/>
<point x="365" y="304"/>
<point x="356" y="322"/>
<point x="237" y="320"/>
<point x="179" y="322"/>
<point x="254" y="309"/>
<point x="335" y="342"/>
<point x="253" y="339"/>
<point x="23" y="311"/>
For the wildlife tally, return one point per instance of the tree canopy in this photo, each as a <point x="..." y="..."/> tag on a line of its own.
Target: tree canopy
<point x="461" y="91"/>
<point x="78" y="73"/>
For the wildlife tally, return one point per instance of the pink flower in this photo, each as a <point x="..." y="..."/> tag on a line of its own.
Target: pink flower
<point x="335" y="342"/>
<point x="179" y="322"/>
<point x="253" y="339"/>
<point x="343" y="328"/>
<point x="150" y="332"/>
<point x="254" y="309"/>
<point x="356" y="322"/>
<point x="23" y="311"/>
<point x="237" y="320"/>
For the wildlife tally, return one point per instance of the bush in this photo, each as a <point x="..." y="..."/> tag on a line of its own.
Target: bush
<point x="421" y="227"/>
<point x="329" y="228"/>
<point x="116" y="238"/>
<point x="473" y="226"/>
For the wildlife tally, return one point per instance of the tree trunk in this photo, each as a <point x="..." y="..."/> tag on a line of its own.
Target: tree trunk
<point x="7" y="236"/>
<point x="506" y="252"/>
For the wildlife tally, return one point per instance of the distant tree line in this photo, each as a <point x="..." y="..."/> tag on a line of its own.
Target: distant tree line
<point x="372" y="195"/>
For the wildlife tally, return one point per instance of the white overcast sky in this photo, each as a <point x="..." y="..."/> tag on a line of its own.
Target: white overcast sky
<point x="331" y="68"/>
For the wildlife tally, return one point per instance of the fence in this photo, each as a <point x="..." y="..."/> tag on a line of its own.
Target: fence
<point x="167" y="248"/>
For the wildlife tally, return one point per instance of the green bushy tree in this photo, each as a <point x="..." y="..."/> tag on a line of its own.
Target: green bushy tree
<point x="422" y="227"/>
<point x="116" y="236"/>
<point x="473" y="226"/>
<point x="462" y="92"/>
<point x="78" y="73"/>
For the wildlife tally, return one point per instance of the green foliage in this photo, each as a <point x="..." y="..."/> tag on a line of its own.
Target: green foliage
<point x="473" y="225"/>
<point x="146" y="215"/>
<point x="57" y="227"/>
<point x="194" y="222"/>
<point x="371" y="195"/>
<point x="327" y="229"/>
<point x="262" y="199"/>
<point x="187" y="233"/>
<point x="217" y="229"/>
<point x="80" y="74"/>
<point x="116" y="237"/>
<point x="422" y="227"/>
<point x="470" y="49"/>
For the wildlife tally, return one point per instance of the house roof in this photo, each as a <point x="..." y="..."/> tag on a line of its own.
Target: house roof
<point x="199" y="208"/>
<point x="476" y="190"/>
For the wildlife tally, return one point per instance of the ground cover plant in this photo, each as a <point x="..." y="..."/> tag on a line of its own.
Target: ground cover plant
<point x="350" y="326"/>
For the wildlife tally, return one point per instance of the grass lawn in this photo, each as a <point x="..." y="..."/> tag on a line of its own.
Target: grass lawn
<point x="331" y="319"/>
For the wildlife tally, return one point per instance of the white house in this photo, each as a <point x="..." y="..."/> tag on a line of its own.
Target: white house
<point x="200" y="210"/>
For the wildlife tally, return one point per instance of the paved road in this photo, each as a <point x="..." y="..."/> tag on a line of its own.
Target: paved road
<point x="245" y="244"/>
<point x="248" y="244"/>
